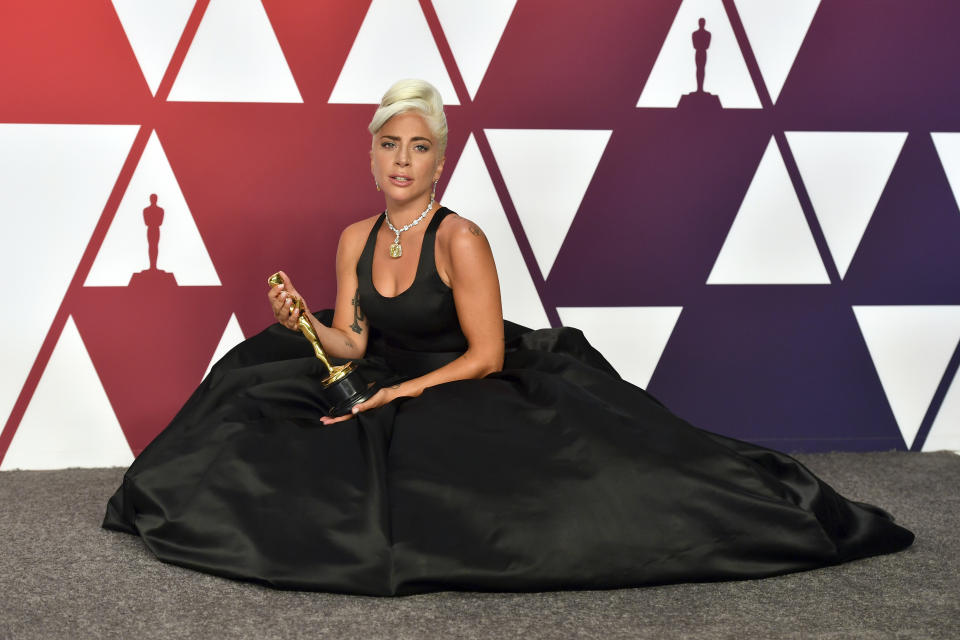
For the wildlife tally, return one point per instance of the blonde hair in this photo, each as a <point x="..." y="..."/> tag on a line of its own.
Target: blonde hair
<point x="413" y="95"/>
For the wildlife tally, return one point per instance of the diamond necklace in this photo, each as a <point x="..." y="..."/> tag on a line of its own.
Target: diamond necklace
<point x="395" y="249"/>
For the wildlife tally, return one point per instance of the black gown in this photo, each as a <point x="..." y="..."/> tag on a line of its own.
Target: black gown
<point x="551" y="474"/>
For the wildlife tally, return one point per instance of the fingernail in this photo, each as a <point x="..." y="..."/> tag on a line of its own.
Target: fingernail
<point x="355" y="410"/>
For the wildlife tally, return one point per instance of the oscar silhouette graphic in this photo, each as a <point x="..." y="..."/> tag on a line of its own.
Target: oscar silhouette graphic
<point x="700" y="99"/>
<point x="153" y="218"/>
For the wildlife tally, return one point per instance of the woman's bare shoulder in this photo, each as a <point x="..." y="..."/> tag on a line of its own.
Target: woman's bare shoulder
<point x="360" y="227"/>
<point x="461" y="241"/>
<point x="455" y="226"/>
<point x="354" y="235"/>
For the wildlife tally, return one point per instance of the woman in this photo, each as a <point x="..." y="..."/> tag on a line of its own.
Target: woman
<point x="406" y="161"/>
<point x="517" y="462"/>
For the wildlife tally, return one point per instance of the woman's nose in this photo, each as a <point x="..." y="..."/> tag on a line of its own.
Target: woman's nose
<point x="402" y="158"/>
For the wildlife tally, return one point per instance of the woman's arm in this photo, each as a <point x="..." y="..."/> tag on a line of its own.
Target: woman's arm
<point x="466" y="264"/>
<point x="347" y="335"/>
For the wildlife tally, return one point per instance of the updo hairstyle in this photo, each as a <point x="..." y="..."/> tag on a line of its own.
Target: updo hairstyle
<point x="413" y="95"/>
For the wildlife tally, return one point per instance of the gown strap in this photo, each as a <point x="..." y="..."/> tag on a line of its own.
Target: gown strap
<point x="426" y="266"/>
<point x="365" y="263"/>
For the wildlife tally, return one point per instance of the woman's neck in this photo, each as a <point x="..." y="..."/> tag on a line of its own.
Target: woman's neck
<point x="402" y="213"/>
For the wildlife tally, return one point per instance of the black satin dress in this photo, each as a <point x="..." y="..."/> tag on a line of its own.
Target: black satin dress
<point x="552" y="474"/>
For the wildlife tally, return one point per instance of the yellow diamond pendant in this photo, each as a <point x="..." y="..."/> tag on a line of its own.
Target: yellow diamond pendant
<point x="395" y="250"/>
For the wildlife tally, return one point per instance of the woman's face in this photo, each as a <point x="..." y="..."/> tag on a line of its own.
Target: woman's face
<point x="405" y="159"/>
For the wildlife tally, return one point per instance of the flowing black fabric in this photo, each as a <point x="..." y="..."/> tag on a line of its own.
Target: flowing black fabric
<point x="553" y="473"/>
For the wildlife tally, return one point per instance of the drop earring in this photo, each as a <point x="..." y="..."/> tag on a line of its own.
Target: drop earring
<point x="433" y="194"/>
<point x="376" y="183"/>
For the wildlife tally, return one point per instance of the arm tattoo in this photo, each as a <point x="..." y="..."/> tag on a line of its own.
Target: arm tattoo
<point x="358" y="316"/>
<point x="475" y="230"/>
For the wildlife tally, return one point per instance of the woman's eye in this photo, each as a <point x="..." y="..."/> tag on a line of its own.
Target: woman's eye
<point x="422" y="147"/>
<point x="387" y="145"/>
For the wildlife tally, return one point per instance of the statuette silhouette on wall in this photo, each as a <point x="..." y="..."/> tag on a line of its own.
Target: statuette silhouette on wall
<point x="700" y="99"/>
<point x="153" y="218"/>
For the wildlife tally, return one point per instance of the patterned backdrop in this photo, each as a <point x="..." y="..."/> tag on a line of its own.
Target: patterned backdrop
<point x="756" y="219"/>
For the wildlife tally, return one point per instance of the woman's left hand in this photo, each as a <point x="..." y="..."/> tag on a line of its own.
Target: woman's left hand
<point x="380" y="398"/>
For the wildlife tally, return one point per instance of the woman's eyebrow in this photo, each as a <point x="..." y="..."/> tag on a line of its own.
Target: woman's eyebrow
<point x="397" y="138"/>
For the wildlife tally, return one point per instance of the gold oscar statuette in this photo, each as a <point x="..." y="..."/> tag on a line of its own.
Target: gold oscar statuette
<point x="344" y="385"/>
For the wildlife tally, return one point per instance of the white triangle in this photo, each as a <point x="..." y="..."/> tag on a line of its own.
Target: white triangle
<point x="948" y="148"/>
<point x="125" y="251"/>
<point x="945" y="433"/>
<point x="632" y="339"/>
<point x="769" y="241"/>
<point x="54" y="182"/>
<point x="471" y="193"/>
<point x="394" y="42"/>
<point x="232" y="336"/>
<point x="910" y="347"/>
<point x="845" y="173"/>
<point x="473" y="29"/>
<point x="153" y="29"/>
<point x="547" y="180"/>
<point x="776" y="30"/>
<point x="674" y="72"/>
<point x="235" y="57"/>
<point x="69" y="421"/>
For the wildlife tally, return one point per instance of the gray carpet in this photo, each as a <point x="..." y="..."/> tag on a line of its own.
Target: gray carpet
<point x="63" y="576"/>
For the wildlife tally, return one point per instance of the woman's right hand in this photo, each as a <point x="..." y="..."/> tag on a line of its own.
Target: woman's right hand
<point x="283" y="299"/>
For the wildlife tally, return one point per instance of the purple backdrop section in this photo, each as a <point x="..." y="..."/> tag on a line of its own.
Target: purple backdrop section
<point x="781" y="365"/>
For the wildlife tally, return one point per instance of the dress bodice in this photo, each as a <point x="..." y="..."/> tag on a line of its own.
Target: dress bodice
<point x="421" y="320"/>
